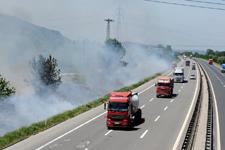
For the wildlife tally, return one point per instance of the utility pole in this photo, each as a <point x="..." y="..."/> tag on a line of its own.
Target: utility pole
<point x="118" y="23"/>
<point x="108" y="28"/>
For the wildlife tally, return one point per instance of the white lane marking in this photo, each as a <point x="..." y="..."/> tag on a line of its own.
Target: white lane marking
<point x="143" y="134"/>
<point x="217" y="114"/>
<point x="108" y="132"/>
<point x="179" y="90"/>
<point x="142" y="106"/>
<point x="151" y="100"/>
<point x="86" y="149"/>
<point x="146" y="89"/>
<point x="165" y="108"/>
<point x="59" y="137"/>
<point x="182" y="87"/>
<point x="74" y="129"/>
<point x="176" y="144"/>
<point x="171" y="100"/>
<point x="157" y="118"/>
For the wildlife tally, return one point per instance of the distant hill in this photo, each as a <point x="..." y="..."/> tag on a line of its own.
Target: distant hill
<point x="17" y="34"/>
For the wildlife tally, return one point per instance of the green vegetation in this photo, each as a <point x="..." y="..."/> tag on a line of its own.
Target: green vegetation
<point x="45" y="69"/>
<point x="217" y="56"/>
<point x="25" y="132"/>
<point x="116" y="46"/>
<point x="5" y="89"/>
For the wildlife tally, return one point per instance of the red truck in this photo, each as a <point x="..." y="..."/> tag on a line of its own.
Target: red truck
<point x="164" y="86"/>
<point x="187" y="62"/>
<point x="123" y="110"/>
<point x="210" y="61"/>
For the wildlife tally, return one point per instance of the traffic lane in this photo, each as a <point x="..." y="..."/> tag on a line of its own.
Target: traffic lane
<point x="43" y="137"/>
<point x="97" y="144"/>
<point x="219" y="91"/>
<point x="56" y="144"/>
<point x="163" y="133"/>
<point x="220" y="76"/>
<point x="120" y="139"/>
<point x="141" y="101"/>
<point x="88" y="132"/>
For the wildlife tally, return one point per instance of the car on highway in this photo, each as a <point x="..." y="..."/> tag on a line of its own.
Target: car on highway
<point x="193" y="67"/>
<point x="192" y="77"/>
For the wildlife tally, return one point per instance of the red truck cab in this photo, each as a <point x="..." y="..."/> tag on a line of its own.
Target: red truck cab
<point x="210" y="61"/>
<point x="164" y="86"/>
<point x="122" y="109"/>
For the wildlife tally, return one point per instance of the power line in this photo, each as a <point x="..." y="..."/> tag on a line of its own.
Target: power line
<point x="186" y="5"/>
<point x="205" y="2"/>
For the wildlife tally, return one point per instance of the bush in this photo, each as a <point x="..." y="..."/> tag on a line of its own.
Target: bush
<point x="46" y="71"/>
<point x="5" y="89"/>
<point x="221" y="60"/>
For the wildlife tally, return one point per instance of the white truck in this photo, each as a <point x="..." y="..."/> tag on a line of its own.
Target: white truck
<point x="178" y="74"/>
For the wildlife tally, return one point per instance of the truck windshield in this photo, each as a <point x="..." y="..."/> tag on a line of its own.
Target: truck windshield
<point x="163" y="84"/>
<point x="178" y="74"/>
<point x="113" y="106"/>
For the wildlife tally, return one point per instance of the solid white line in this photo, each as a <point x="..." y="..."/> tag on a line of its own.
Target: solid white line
<point x="52" y="141"/>
<point x="176" y="144"/>
<point x="171" y="100"/>
<point x="157" y="118"/>
<point x="143" y="134"/>
<point x="151" y="100"/>
<point x="108" y="132"/>
<point x="59" y="137"/>
<point x="146" y="89"/>
<point x="217" y="114"/>
<point x="142" y="106"/>
<point x="165" y="108"/>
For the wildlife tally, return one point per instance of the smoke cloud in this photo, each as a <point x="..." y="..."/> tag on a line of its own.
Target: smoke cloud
<point x="89" y="70"/>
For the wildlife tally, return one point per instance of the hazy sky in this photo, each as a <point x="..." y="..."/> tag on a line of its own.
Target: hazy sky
<point x="141" y="21"/>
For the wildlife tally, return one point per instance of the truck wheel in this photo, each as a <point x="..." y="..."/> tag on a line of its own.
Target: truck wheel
<point x="139" y="114"/>
<point x="157" y="95"/>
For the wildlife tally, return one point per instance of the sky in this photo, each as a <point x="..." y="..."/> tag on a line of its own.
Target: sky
<point x="139" y="21"/>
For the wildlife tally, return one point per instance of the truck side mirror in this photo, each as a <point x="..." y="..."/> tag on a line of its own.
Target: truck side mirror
<point x="135" y="94"/>
<point x="105" y="106"/>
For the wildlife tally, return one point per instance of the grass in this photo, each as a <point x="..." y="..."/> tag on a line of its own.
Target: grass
<point x="20" y="134"/>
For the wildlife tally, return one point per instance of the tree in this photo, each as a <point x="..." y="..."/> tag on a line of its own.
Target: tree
<point x="46" y="70"/>
<point x="5" y="89"/>
<point x="221" y="60"/>
<point x="116" y="46"/>
<point x="210" y="52"/>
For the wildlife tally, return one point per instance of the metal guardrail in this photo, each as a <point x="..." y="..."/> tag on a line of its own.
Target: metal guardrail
<point x="209" y="131"/>
<point x="189" y="138"/>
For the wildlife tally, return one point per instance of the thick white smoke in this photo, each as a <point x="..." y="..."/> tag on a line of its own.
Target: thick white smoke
<point x="89" y="70"/>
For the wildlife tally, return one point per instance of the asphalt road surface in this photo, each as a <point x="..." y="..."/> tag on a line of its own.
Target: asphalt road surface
<point x="218" y="82"/>
<point x="164" y="121"/>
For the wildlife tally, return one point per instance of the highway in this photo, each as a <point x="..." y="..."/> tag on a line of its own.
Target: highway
<point x="218" y="83"/>
<point x="165" y="119"/>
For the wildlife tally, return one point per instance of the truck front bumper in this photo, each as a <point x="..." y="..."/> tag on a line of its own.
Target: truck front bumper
<point x="118" y="124"/>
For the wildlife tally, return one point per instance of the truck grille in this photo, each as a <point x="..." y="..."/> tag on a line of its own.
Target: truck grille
<point x="117" y="117"/>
